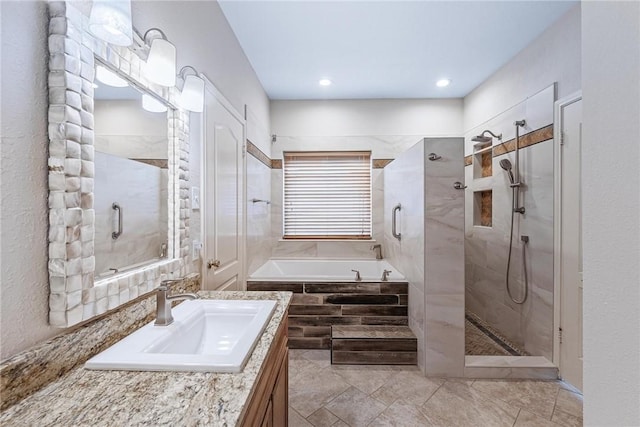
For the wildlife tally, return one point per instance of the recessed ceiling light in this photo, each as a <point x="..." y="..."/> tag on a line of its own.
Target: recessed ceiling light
<point x="443" y="82"/>
<point x="324" y="82"/>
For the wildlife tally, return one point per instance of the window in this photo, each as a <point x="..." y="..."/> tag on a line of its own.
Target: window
<point x="327" y="195"/>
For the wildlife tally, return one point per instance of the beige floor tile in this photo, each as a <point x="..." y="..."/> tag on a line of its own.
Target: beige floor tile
<point x="322" y="418"/>
<point x="448" y="408"/>
<point x="411" y="386"/>
<point x="356" y="408"/>
<point x="299" y="366"/>
<point x="400" y="414"/>
<point x="569" y="402"/>
<point x="320" y="358"/>
<point x="296" y="420"/>
<point x="538" y="397"/>
<point x="340" y="423"/>
<point x="527" y="419"/>
<point x="310" y="390"/>
<point x="564" y="419"/>
<point x="366" y="378"/>
<point x="295" y="353"/>
<point x="465" y="389"/>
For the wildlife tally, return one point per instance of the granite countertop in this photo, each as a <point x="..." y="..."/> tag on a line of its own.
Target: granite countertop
<point x="94" y="398"/>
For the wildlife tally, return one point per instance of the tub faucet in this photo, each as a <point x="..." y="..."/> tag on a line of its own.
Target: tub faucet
<point x="163" y="302"/>
<point x="385" y="275"/>
<point x="358" y="277"/>
<point x="378" y="249"/>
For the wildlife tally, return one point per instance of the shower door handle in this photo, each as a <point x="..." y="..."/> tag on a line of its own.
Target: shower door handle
<point x="459" y="186"/>
<point x="394" y="220"/>
<point x="116" y="234"/>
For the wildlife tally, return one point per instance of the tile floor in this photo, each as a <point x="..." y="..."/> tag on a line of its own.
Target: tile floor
<point x="354" y="395"/>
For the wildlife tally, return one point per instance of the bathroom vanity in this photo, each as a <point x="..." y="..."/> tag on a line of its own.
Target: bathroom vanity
<point x="257" y="396"/>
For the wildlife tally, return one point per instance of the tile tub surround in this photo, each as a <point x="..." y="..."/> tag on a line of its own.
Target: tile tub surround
<point x="315" y="307"/>
<point x="31" y="370"/>
<point x="321" y="394"/>
<point x="84" y="397"/>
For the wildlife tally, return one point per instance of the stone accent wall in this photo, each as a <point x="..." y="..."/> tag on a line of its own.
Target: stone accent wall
<point x="74" y="297"/>
<point x="315" y="307"/>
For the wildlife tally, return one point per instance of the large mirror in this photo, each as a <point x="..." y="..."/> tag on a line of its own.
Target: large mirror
<point x="118" y="174"/>
<point x="131" y="175"/>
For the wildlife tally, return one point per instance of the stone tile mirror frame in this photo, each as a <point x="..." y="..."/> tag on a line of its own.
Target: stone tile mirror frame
<point x="74" y="296"/>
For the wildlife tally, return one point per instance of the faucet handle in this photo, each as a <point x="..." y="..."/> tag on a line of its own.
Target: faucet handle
<point x="385" y="275"/>
<point x="165" y="284"/>
<point x="358" y="277"/>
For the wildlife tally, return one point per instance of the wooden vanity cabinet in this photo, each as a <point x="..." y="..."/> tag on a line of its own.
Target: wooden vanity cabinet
<point x="269" y="400"/>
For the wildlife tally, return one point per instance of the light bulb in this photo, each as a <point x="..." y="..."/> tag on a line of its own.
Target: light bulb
<point x="443" y="82"/>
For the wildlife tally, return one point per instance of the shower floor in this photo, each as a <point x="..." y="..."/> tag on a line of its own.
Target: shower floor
<point x="481" y="341"/>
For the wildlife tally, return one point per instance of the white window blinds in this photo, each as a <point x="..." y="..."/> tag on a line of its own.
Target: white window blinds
<point x="327" y="195"/>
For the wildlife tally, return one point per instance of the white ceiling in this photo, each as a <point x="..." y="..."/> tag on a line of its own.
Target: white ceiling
<point x="383" y="49"/>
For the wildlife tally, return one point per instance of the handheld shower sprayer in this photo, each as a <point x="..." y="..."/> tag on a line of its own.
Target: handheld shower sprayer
<point x="506" y="165"/>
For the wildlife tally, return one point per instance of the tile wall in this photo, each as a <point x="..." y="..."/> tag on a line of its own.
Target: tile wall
<point x="383" y="150"/>
<point x="486" y="247"/>
<point x="430" y="251"/>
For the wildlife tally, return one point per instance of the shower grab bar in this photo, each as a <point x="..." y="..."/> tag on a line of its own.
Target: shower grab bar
<point x="394" y="220"/>
<point x="116" y="207"/>
<point x="260" y="201"/>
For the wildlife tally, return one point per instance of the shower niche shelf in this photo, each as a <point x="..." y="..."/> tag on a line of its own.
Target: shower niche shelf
<point x="483" y="208"/>
<point x="483" y="160"/>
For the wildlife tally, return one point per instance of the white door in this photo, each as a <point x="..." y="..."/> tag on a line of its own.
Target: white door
<point x="571" y="244"/>
<point x="223" y="172"/>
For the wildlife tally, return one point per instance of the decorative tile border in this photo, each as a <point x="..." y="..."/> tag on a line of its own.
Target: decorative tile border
<point x="532" y="138"/>
<point x="258" y="154"/>
<point x="277" y="163"/>
<point x="74" y="297"/>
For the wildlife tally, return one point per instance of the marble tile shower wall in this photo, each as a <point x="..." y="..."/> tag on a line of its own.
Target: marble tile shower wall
<point x="382" y="147"/>
<point x="141" y="191"/>
<point x="258" y="214"/>
<point x="431" y="250"/>
<point x="486" y="248"/>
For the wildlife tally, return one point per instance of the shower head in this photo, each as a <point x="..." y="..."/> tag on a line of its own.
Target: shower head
<point x="506" y="165"/>
<point x="483" y="138"/>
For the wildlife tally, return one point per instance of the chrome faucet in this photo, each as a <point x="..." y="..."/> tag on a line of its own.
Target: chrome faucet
<point x="385" y="275"/>
<point x="163" y="302"/>
<point x="378" y="249"/>
<point x="358" y="277"/>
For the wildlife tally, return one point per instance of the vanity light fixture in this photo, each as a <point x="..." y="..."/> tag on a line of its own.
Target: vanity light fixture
<point x="192" y="94"/>
<point x="110" y="20"/>
<point x="324" y="82"/>
<point x="152" y="105"/>
<point x="160" y="67"/>
<point x="443" y="82"/>
<point x="109" y="78"/>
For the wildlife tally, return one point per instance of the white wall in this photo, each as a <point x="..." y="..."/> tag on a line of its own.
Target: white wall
<point x="384" y="117"/>
<point x="553" y="57"/>
<point x="203" y="39"/>
<point x="24" y="279"/>
<point x="611" y="212"/>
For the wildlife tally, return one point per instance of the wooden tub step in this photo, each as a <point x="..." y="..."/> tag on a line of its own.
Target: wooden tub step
<point x="373" y="345"/>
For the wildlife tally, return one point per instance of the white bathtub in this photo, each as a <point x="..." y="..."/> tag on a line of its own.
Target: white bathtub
<point x="324" y="270"/>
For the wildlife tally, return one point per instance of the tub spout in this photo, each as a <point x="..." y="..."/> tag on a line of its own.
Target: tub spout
<point x="378" y="249"/>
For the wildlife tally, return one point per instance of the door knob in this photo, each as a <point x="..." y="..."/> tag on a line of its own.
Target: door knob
<point x="212" y="263"/>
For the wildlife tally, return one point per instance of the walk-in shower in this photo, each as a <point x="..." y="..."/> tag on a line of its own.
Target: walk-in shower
<point x="516" y="184"/>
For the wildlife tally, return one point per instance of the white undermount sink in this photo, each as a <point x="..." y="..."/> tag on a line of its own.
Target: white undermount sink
<point x="206" y="336"/>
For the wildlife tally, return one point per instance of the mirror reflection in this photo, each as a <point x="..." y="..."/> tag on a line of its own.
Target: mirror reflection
<point x="131" y="176"/>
